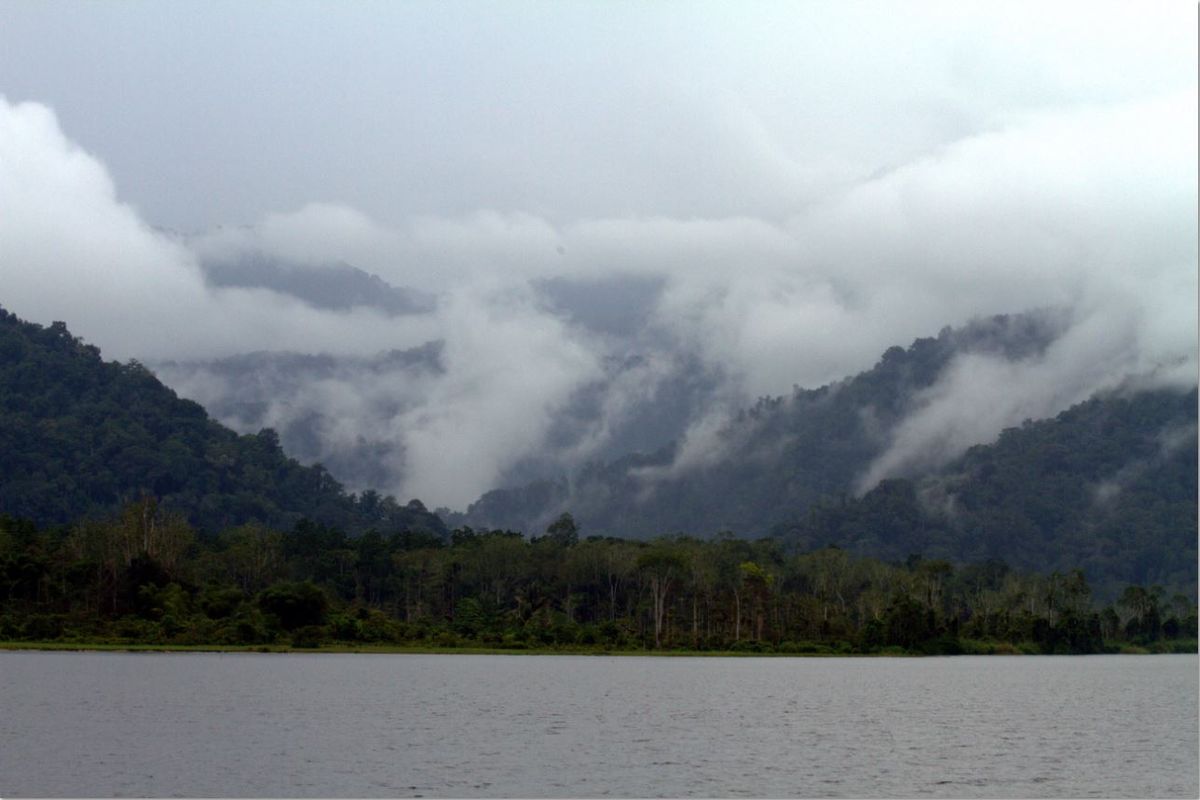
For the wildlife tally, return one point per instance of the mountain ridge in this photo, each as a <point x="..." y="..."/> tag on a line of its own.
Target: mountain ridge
<point x="82" y="436"/>
<point x="1108" y="484"/>
<point x="825" y="437"/>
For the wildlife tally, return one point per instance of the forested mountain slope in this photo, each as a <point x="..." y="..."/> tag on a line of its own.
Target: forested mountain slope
<point x="772" y="460"/>
<point x="287" y="392"/>
<point x="1108" y="486"/>
<point x="80" y="436"/>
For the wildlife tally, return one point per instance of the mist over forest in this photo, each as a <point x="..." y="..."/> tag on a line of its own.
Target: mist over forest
<point x="588" y="341"/>
<point x="754" y="370"/>
<point x="469" y="288"/>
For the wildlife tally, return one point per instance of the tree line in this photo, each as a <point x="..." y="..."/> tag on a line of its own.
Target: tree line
<point x="146" y="576"/>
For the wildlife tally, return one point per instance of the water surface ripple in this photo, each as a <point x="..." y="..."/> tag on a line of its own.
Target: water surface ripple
<point x="261" y="725"/>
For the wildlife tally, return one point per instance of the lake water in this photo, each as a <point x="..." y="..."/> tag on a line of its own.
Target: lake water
<point x="262" y="725"/>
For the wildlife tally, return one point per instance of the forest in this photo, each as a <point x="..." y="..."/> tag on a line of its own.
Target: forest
<point x="144" y="576"/>
<point x="1107" y="485"/>
<point x="81" y="436"/>
<point x="128" y="516"/>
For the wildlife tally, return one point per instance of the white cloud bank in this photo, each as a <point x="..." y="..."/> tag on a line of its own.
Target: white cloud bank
<point x="1092" y="208"/>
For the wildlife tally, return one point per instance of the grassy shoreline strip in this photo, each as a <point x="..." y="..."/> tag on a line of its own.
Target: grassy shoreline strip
<point x="346" y="648"/>
<point x="405" y="650"/>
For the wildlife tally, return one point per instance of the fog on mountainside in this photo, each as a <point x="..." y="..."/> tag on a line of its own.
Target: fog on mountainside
<point x="1108" y="486"/>
<point x="778" y="456"/>
<point x="299" y="396"/>
<point x="619" y="238"/>
<point x="83" y="438"/>
<point x="351" y="413"/>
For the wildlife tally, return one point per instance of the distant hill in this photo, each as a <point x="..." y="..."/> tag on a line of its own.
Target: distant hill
<point x="337" y="286"/>
<point x="252" y="391"/>
<point x="772" y="460"/>
<point x="364" y="443"/>
<point x="1109" y="485"/>
<point x="80" y="436"/>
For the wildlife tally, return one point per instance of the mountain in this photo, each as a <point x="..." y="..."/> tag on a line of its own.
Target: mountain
<point x="80" y="437"/>
<point x="348" y="412"/>
<point x="771" y="460"/>
<point x="293" y="393"/>
<point x="1108" y="485"/>
<point x="618" y="306"/>
<point x="336" y="286"/>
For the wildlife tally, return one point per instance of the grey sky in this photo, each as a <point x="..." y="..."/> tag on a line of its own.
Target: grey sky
<point x="220" y="112"/>
<point x="804" y="184"/>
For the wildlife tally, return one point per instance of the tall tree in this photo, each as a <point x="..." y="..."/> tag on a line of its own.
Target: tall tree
<point x="662" y="563"/>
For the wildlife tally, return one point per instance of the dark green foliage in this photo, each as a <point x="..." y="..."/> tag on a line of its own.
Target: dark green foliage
<point x="563" y="530"/>
<point x="907" y="623"/>
<point x="295" y="605"/>
<point x="221" y="602"/>
<point x="80" y="437"/>
<point x="778" y="457"/>
<point x="1103" y="497"/>
<point x="101" y="581"/>
<point x="1108" y="486"/>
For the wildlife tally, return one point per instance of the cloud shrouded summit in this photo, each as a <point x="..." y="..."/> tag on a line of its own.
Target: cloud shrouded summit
<point x="745" y="212"/>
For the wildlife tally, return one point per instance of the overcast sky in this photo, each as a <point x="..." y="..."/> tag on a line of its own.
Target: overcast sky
<point x="213" y="113"/>
<point x="812" y="183"/>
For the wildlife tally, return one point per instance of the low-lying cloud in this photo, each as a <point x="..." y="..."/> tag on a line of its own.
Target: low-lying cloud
<point x="1089" y="208"/>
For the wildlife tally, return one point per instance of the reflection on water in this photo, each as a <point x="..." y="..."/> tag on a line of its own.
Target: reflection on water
<point x="105" y="724"/>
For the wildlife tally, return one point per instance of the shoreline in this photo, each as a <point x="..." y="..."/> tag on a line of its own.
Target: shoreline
<point x="341" y="648"/>
<point x="344" y="649"/>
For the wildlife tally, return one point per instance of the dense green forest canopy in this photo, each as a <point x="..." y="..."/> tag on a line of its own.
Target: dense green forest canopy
<point x="1108" y="487"/>
<point x="80" y="437"/>
<point x="776" y="458"/>
<point x="144" y="576"/>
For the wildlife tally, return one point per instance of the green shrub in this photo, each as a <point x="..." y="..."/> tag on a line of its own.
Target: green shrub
<point x="309" y="636"/>
<point x="376" y="626"/>
<point x="220" y="602"/>
<point x="941" y="646"/>
<point x="446" y="639"/>
<point x="512" y="641"/>
<point x="343" y="628"/>
<point x="295" y="605"/>
<point x="250" y="627"/>
<point x="42" y="627"/>
<point x="976" y="647"/>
